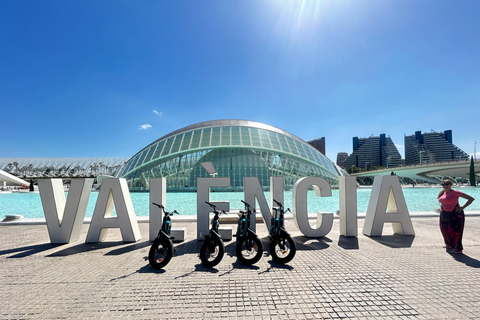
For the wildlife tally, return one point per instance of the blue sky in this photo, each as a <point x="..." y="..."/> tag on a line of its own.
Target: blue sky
<point x="106" y="78"/>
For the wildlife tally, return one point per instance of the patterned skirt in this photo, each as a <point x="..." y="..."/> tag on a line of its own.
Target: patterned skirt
<point x="451" y="225"/>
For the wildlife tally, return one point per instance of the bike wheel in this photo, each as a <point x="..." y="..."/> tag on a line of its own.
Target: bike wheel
<point x="249" y="250"/>
<point x="160" y="253"/>
<point x="212" y="251"/>
<point x="282" y="249"/>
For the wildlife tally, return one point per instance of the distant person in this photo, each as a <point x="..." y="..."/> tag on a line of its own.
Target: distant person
<point x="452" y="217"/>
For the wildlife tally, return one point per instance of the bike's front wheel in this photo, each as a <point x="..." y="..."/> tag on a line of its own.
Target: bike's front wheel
<point x="212" y="251"/>
<point x="283" y="248"/>
<point x="249" y="250"/>
<point x="160" y="253"/>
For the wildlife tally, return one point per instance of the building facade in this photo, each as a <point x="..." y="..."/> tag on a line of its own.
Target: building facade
<point x="341" y="158"/>
<point x="318" y="144"/>
<point x="432" y="147"/>
<point x="374" y="151"/>
<point x="236" y="148"/>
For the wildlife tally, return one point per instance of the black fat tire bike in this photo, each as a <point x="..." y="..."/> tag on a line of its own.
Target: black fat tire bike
<point x="249" y="247"/>
<point x="213" y="248"/>
<point x="282" y="246"/>
<point x="161" y="250"/>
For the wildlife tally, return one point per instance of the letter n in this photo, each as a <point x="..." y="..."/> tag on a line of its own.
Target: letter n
<point x="387" y="204"/>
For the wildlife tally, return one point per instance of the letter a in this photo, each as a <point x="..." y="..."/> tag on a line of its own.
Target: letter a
<point x="64" y="217"/>
<point x="387" y="194"/>
<point x="113" y="191"/>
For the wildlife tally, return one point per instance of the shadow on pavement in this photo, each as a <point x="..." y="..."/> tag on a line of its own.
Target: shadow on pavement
<point x="395" y="240"/>
<point x="348" y="243"/>
<point x="29" y="250"/>
<point x="305" y="243"/>
<point x="468" y="261"/>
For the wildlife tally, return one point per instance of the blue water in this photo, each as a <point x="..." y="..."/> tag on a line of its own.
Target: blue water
<point x="418" y="199"/>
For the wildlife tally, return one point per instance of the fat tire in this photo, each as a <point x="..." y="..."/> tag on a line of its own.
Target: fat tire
<point x="205" y="251"/>
<point x="257" y="250"/>
<point x="275" y="249"/>
<point x="161" y="248"/>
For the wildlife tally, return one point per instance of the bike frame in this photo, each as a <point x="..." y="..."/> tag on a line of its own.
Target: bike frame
<point x="277" y="226"/>
<point x="166" y="222"/>
<point x="244" y="221"/>
<point x="215" y="221"/>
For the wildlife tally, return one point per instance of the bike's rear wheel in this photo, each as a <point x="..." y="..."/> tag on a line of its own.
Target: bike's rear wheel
<point x="249" y="250"/>
<point x="212" y="251"/>
<point x="283" y="248"/>
<point x="160" y="253"/>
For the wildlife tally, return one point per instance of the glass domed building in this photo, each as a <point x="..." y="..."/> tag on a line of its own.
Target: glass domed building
<point x="236" y="148"/>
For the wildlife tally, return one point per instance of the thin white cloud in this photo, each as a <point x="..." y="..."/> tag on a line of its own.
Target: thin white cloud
<point x="144" y="127"/>
<point x="158" y="113"/>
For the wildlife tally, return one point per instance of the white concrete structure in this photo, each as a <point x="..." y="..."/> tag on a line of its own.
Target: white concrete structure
<point x="10" y="180"/>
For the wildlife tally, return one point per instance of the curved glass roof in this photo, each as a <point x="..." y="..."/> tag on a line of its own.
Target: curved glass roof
<point x="228" y="134"/>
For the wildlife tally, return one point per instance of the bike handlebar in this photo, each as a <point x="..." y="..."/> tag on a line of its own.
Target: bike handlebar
<point x="163" y="208"/>
<point x="215" y="208"/>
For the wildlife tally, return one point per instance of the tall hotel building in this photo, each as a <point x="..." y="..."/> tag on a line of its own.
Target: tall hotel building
<point x="432" y="147"/>
<point x="374" y="151"/>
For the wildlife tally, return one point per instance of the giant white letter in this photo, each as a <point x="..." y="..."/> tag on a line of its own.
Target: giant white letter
<point x="253" y="192"/>
<point x="348" y="206"/>
<point x="114" y="191"/>
<point x="158" y="192"/>
<point x="387" y="194"/>
<point x="203" y="209"/>
<point x="64" y="217"/>
<point x="299" y="203"/>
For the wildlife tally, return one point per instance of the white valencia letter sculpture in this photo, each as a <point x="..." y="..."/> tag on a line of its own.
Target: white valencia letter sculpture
<point x="387" y="204"/>
<point x="64" y="217"/>
<point x="114" y="191"/>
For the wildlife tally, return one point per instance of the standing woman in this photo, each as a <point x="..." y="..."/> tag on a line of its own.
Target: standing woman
<point x="452" y="218"/>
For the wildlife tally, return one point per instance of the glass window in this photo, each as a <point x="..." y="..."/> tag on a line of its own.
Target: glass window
<point x="168" y="145"/>
<point x="225" y="136"/>
<point x="274" y="140"/>
<point x="215" y="136"/>
<point x="159" y="149"/>
<point x="300" y="149"/>
<point x="245" y="134"/>
<point x="206" y="137"/>
<point x="176" y="144"/>
<point x="255" y="137"/>
<point x="197" y="134"/>
<point x="150" y="153"/>
<point x="235" y="136"/>
<point x="264" y="138"/>
<point x="292" y="145"/>
<point x="283" y="143"/>
<point x="186" y="141"/>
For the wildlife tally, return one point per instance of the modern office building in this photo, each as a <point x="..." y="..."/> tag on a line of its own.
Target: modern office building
<point x="374" y="151"/>
<point x="236" y="148"/>
<point x="341" y="158"/>
<point x="431" y="147"/>
<point x="318" y="144"/>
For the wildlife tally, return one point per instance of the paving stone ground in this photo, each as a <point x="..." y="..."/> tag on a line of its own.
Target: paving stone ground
<point x="387" y="277"/>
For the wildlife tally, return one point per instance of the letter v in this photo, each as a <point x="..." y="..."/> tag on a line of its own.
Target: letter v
<point x="64" y="217"/>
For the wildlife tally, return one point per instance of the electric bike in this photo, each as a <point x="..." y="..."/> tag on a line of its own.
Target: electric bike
<point x="282" y="246"/>
<point x="249" y="247"/>
<point x="161" y="250"/>
<point x="213" y="248"/>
